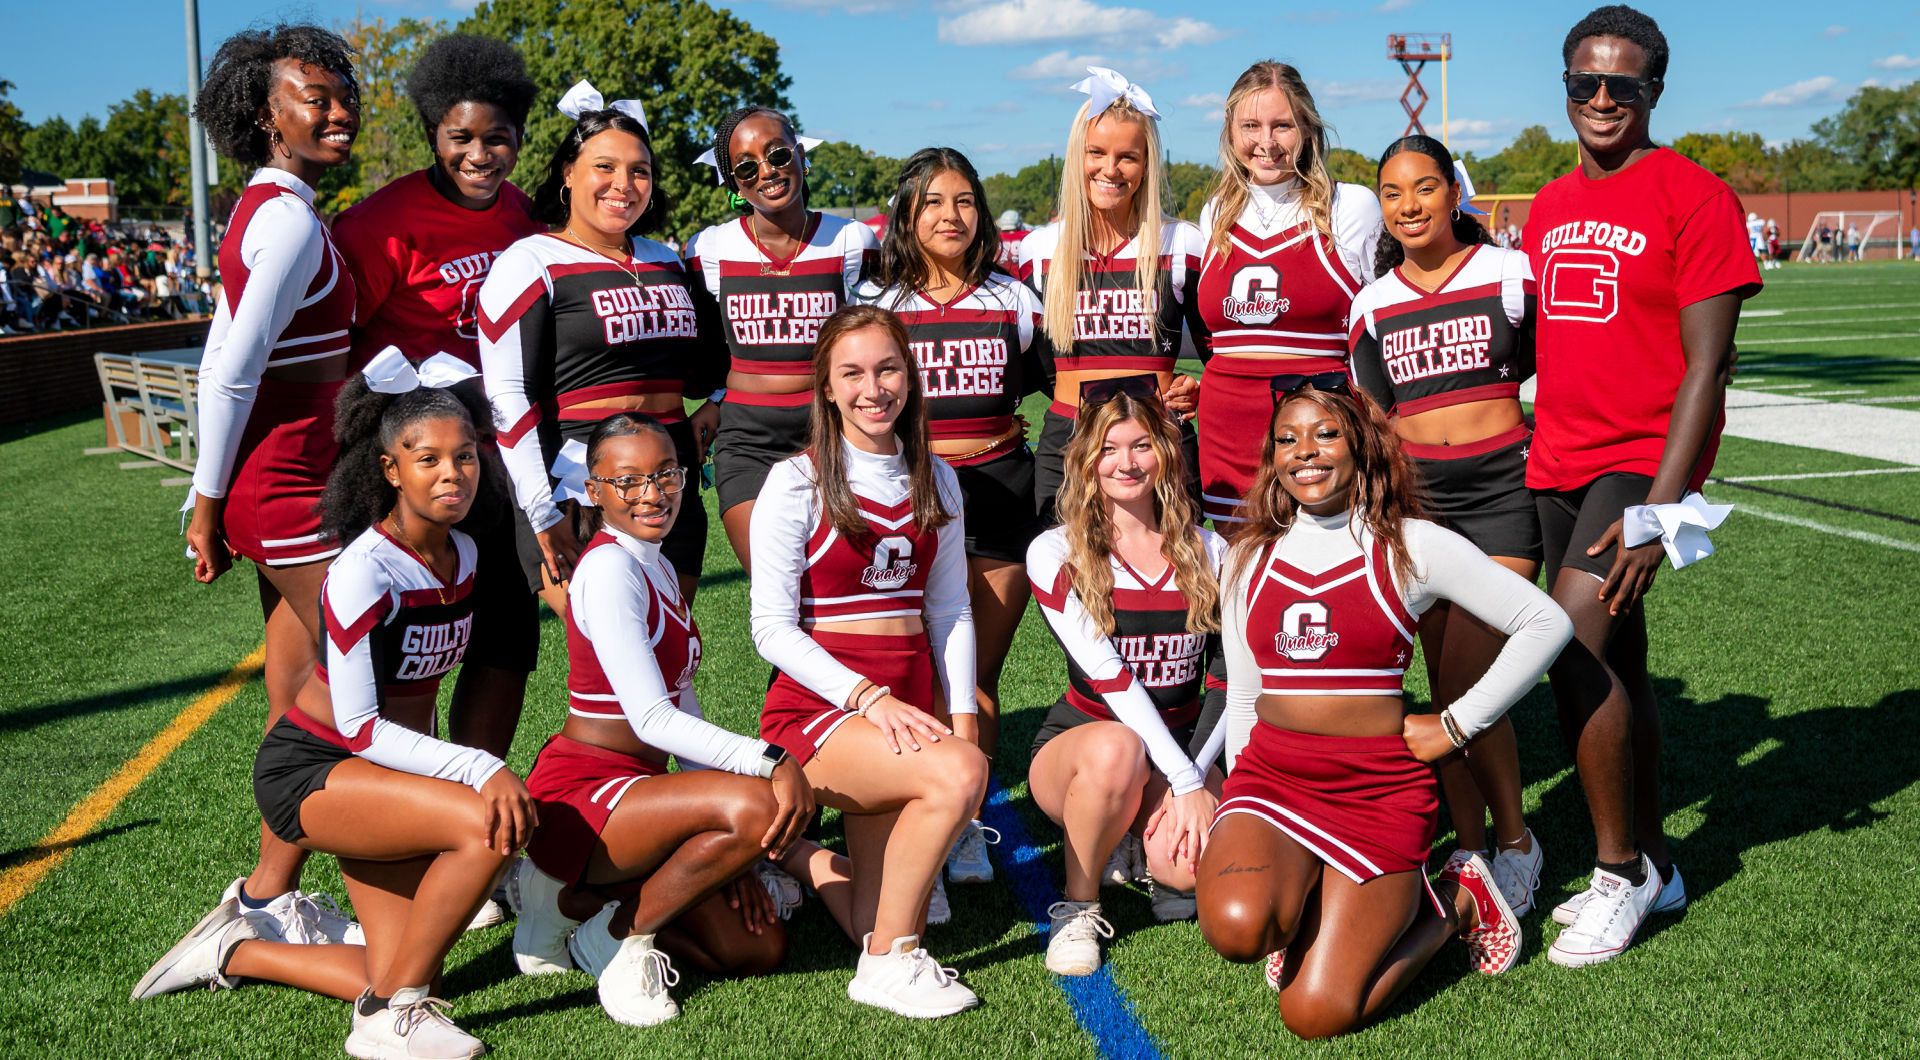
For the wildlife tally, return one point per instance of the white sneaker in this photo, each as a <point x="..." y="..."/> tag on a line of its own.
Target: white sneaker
<point x="786" y="892"/>
<point x="196" y="959"/>
<point x="1073" y="939"/>
<point x="1608" y="918"/>
<point x="634" y="975"/>
<point x="413" y="1026"/>
<point x="487" y="916"/>
<point x="297" y="916"/>
<point x="1127" y="864"/>
<point x="1170" y="905"/>
<point x="1518" y="875"/>
<point x="967" y="861"/>
<point x="1673" y="898"/>
<point x="540" y="934"/>
<point x="907" y="981"/>
<point x="938" y="911"/>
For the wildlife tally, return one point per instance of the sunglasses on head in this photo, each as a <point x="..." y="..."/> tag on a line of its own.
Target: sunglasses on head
<point x="1138" y="387"/>
<point x="1621" y="88"/>
<point x="1331" y="382"/>
<point x="779" y="157"/>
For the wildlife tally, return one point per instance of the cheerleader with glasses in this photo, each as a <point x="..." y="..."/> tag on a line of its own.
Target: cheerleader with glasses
<point x="284" y="100"/>
<point x="1115" y="274"/>
<point x="765" y="282"/>
<point x="978" y="337"/>
<point x="1441" y="342"/>
<point x="1320" y="844"/>
<point x="583" y="322"/>
<point x="421" y="827"/>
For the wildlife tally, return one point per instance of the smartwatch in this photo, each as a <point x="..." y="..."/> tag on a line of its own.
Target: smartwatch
<point x="770" y="758"/>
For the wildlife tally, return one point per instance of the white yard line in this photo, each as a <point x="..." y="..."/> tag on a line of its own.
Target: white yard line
<point x="1821" y="474"/>
<point x="1743" y="508"/>
<point x="1769" y="343"/>
<point x="1872" y="431"/>
<point x="1829" y="393"/>
<point x="1779" y="386"/>
<point x="1903" y="399"/>
<point x="1820" y="323"/>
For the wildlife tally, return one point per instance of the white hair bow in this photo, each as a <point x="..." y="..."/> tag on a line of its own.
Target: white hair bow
<point x="709" y="158"/>
<point x="570" y="473"/>
<point x="1106" y="86"/>
<point x="1466" y="189"/>
<point x="1680" y="528"/>
<point x="583" y="97"/>
<point x="391" y="373"/>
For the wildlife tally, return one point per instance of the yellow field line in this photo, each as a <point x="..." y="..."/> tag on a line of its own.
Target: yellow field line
<point x="20" y="880"/>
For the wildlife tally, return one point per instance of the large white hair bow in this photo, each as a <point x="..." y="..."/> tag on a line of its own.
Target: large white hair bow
<point x="1681" y="528"/>
<point x="807" y="143"/>
<point x="583" y="97"/>
<point x="1106" y="86"/>
<point x="1466" y="189"/>
<point x="391" y="373"/>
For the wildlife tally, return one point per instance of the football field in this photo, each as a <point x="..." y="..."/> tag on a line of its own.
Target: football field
<point x="1787" y="665"/>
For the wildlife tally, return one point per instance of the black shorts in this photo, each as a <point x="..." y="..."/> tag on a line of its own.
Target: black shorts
<point x="1001" y="521"/>
<point x="1056" y="429"/>
<point x="1479" y="491"/>
<point x="292" y="764"/>
<point x="1064" y="715"/>
<point x="685" y="545"/>
<point x="506" y="614"/>
<point x="751" y="439"/>
<point x="1572" y="520"/>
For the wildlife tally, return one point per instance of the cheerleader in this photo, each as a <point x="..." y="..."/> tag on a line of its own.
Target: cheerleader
<point x="585" y="321"/>
<point x="615" y="819"/>
<point x="421" y="827"/>
<point x="419" y="250"/>
<point x="977" y="336"/>
<point x="764" y="283"/>
<point x="1129" y="586"/>
<point x="285" y="100"/>
<point x="1319" y="847"/>
<point x="1441" y="343"/>
<point x="859" y="598"/>
<point x="1276" y="212"/>
<point x="1114" y="273"/>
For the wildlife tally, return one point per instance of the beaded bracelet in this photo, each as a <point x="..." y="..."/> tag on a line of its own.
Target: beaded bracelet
<point x="872" y="696"/>
<point x="1452" y="729"/>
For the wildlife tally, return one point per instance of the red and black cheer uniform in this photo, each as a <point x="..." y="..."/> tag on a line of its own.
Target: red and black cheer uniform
<point x="1322" y="613"/>
<point x="979" y="355"/>
<point x="1147" y="674"/>
<point x="266" y="445"/>
<point x="560" y="325"/>
<point x="1616" y="261"/>
<point x="805" y="571"/>
<point x="1276" y="301"/>
<point x="632" y="650"/>
<point x="418" y="262"/>
<point x="393" y="630"/>
<point x="1116" y="325"/>
<point x="1471" y="340"/>
<point x="769" y="314"/>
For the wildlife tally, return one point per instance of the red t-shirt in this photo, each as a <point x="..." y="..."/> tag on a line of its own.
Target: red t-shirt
<point x="418" y="262"/>
<point x="1617" y="259"/>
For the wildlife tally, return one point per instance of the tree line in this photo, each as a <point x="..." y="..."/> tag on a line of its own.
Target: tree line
<point x="690" y="64"/>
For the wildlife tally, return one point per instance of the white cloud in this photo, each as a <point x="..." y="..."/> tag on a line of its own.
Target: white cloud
<point x="919" y="104"/>
<point x="1209" y="100"/>
<point x="1363" y="90"/>
<point x="1394" y="5"/>
<point x="1833" y="31"/>
<point x="1898" y="62"/>
<point x="1015" y="22"/>
<point x="1814" y="90"/>
<point x="991" y="148"/>
<point x="1066" y="67"/>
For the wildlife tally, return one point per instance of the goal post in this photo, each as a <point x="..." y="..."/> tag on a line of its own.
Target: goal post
<point x="1879" y="230"/>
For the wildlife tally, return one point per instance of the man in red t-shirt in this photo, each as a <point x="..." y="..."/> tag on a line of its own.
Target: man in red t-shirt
<point x="1642" y="260"/>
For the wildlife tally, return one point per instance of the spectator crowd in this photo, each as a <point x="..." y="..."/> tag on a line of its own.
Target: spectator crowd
<point x="65" y="272"/>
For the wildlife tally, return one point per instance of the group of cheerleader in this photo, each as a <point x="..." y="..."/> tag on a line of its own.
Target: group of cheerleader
<point x="461" y="400"/>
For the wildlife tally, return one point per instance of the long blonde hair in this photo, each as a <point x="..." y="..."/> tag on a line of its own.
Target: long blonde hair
<point x="1083" y="514"/>
<point x="1076" y="220"/>
<point x="1309" y="157"/>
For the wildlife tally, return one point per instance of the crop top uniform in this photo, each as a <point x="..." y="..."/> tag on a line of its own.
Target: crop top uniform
<point x="806" y="571"/>
<point x="1147" y="675"/>
<point x="1277" y="300"/>
<point x="266" y="445"/>
<point x="761" y="316"/>
<point x="560" y="325"/>
<point x="1321" y="613"/>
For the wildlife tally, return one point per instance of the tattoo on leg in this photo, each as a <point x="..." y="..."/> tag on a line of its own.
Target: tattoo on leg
<point x="1235" y="867"/>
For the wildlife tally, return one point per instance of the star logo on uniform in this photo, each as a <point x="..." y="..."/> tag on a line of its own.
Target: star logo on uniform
<point x="1503" y="370"/>
<point x="1166" y="345"/>
<point x="1524" y="450"/>
<point x="1401" y="658"/>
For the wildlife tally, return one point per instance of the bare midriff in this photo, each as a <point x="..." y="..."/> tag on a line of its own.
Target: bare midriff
<point x="612" y="733"/>
<point x="902" y="626"/>
<point x="324" y="370"/>
<point x="1461" y="424"/>
<point x="1066" y="385"/>
<point x="1334" y="715"/>
<point x="761" y="383"/>
<point x="414" y="712"/>
<point x="649" y="403"/>
<point x="968" y="446"/>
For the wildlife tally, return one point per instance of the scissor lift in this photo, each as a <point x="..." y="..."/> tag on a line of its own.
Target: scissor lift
<point x="1413" y="51"/>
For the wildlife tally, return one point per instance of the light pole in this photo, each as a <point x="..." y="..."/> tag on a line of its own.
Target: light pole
<point x="197" y="152"/>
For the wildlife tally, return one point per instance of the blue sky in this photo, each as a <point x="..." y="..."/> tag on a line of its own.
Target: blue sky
<point x="990" y="76"/>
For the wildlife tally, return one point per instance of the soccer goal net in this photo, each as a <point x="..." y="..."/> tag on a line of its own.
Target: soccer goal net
<point x="1878" y="230"/>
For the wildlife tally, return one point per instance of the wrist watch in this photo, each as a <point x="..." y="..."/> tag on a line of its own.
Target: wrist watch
<point x="771" y="758"/>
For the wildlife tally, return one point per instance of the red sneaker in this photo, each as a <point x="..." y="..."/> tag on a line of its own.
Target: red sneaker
<point x="1494" y="946"/>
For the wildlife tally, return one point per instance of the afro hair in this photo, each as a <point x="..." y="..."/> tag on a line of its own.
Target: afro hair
<point x="1619" y="20"/>
<point x="240" y="79"/>
<point x="464" y="68"/>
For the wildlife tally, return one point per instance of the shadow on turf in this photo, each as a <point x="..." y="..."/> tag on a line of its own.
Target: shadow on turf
<point x="39" y="850"/>
<point x="124" y="699"/>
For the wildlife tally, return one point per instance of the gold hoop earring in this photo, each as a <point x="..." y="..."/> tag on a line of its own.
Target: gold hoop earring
<point x="564" y="200"/>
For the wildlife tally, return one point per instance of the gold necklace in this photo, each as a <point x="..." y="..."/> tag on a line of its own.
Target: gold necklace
<point x="400" y="538"/>
<point x="633" y="274"/>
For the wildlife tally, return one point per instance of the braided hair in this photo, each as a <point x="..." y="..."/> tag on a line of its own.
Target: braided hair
<point x="723" y="144"/>
<point x="368" y="424"/>
<point x="240" y="81"/>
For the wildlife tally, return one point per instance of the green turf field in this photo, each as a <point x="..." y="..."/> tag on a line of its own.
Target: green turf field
<point x="1786" y="665"/>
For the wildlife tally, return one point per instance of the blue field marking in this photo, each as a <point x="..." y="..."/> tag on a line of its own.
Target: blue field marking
<point x="1099" y="1006"/>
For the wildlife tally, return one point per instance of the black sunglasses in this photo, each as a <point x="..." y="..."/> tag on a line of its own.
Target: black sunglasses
<point x="1582" y="87"/>
<point x="780" y="157"/>
<point x="1331" y="382"/>
<point x="1138" y="387"/>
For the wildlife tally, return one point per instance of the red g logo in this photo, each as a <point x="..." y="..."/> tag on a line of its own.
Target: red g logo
<point x="892" y="565"/>
<point x="1253" y="296"/>
<point x="1303" y="635"/>
<point x="1582" y="285"/>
